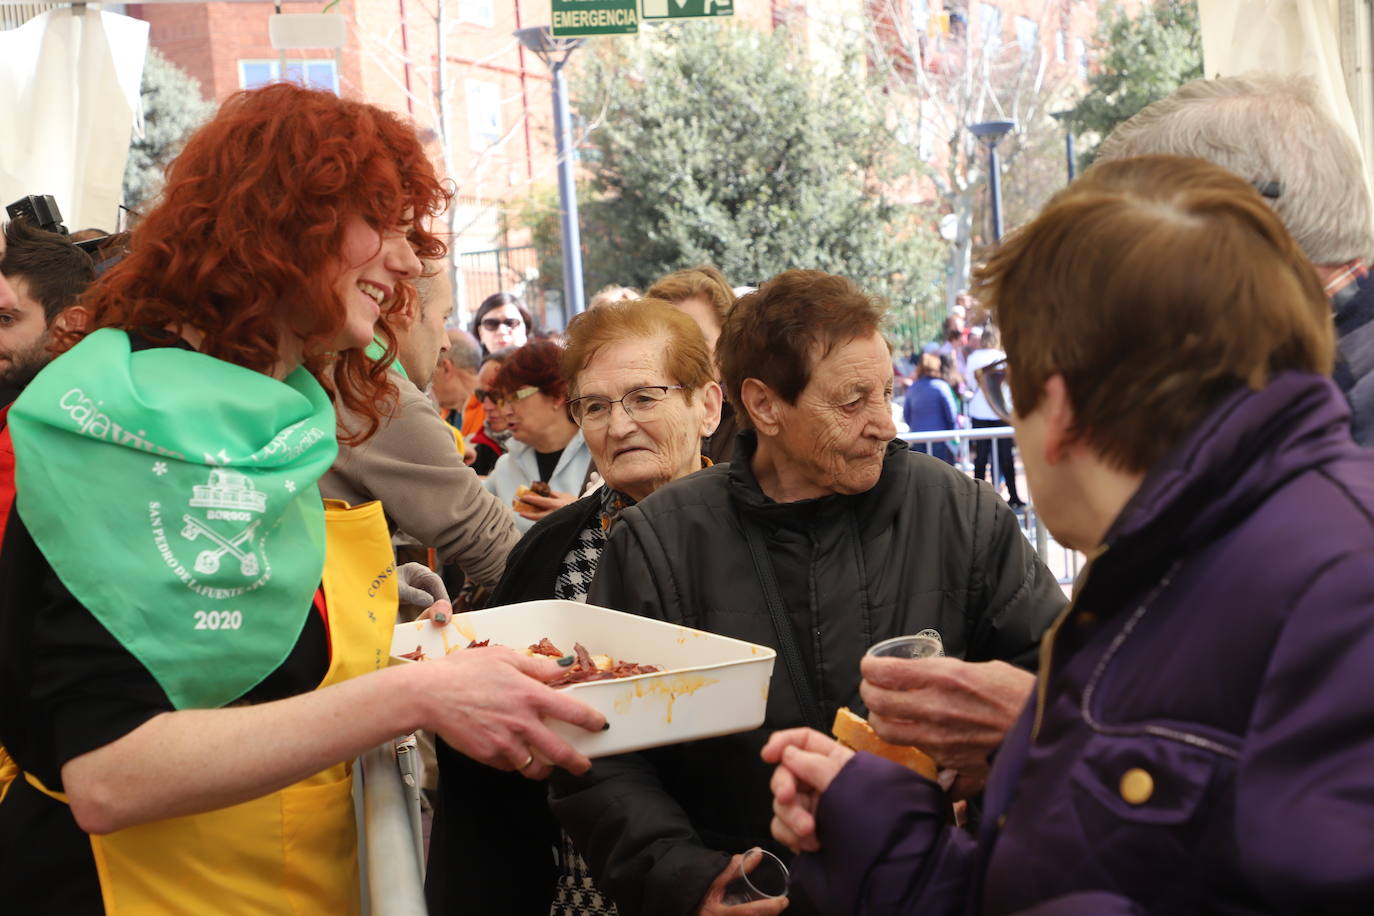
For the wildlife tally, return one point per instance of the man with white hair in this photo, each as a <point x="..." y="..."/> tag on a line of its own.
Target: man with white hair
<point x="1273" y="132"/>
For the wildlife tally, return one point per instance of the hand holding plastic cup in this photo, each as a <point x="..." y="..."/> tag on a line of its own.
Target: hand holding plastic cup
<point x="762" y="876"/>
<point x="925" y="644"/>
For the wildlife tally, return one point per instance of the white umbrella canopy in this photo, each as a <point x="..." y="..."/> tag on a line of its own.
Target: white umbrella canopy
<point x="69" y="91"/>
<point x="1300" y="37"/>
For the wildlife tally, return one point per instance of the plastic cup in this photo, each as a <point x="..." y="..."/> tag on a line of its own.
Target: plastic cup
<point x="925" y="644"/>
<point x="762" y="876"/>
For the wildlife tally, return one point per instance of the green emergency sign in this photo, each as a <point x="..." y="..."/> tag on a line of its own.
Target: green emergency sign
<point x="573" y="18"/>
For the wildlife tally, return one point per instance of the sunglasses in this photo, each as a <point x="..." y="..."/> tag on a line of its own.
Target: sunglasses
<point x="992" y="381"/>
<point x="492" y="324"/>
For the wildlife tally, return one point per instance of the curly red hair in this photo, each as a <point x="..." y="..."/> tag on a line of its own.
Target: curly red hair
<point x="250" y="222"/>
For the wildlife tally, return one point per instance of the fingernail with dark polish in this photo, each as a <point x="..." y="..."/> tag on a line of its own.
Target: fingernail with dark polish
<point x="605" y="726"/>
<point x="440" y="617"/>
<point x="567" y="660"/>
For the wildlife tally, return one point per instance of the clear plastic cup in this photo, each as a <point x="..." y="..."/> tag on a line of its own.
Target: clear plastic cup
<point x="925" y="644"/>
<point x="762" y="876"/>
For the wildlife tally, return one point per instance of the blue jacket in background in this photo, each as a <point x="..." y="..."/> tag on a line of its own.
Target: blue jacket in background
<point x="929" y="406"/>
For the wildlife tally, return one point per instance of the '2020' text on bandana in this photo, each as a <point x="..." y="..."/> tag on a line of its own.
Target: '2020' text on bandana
<point x="175" y="496"/>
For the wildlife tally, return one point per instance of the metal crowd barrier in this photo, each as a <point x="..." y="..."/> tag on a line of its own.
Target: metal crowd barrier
<point x="391" y="848"/>
<point x="1063" y="561"/>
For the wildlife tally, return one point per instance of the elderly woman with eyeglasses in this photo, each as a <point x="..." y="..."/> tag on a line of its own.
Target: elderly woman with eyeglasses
<point x="545" y="447"/>
<point x="643" y="391"/>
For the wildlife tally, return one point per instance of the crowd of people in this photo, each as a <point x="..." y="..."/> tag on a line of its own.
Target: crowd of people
<point x="244" y="451"/>
<point x="941" y="392"/>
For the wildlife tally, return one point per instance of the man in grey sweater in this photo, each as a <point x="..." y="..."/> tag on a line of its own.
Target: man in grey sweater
<point x="413" y="466"/>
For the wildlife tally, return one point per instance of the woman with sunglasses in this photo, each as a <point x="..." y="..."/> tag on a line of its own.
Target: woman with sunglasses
<point x="502" y="321"/>
<point x="489" y="441"/>
<point x="545" y="445"/>
<point x="644" y="394"/>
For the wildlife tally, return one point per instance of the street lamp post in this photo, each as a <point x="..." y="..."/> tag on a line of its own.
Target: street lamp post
<point x="990" y="133"/>
<point x="1063" y="118"/>
<point x="554" y="52"/>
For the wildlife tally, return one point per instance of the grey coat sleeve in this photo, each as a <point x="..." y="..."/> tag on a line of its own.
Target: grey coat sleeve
<point x="412" y="465"/>
<point x="1015" y="597"/>
<point x="638" y="840"/>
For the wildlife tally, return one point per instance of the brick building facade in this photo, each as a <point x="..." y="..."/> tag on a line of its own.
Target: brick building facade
<point x="498" y="120"/>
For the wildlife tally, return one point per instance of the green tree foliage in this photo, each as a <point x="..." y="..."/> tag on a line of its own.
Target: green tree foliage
<point x="717" y="144"/>
<point x="172" y="109"/>
<point x="1142" y="60"/>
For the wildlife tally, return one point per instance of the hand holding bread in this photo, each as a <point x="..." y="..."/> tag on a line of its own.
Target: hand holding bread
<point x="538" y="488"/>
<point x="538" y="500"/>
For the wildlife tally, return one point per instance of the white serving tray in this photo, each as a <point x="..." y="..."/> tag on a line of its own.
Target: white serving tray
<point x="711" y="685"/>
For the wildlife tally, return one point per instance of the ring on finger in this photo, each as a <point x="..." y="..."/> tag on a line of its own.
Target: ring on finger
<point x="528" y="760"/>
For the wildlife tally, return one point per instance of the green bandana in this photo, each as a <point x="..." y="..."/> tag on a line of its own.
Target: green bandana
<point x="175" y="496"/>
<point x="376" y="350"/>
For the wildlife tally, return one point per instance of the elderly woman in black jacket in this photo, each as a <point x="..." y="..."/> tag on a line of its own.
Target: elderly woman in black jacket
<point x="823" y="536"/>
<point x="642" y="389"/>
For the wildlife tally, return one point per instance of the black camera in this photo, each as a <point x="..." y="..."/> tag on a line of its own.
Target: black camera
<point x="41" y="210"/>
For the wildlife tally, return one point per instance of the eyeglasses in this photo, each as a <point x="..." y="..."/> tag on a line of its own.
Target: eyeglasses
<point x="484" y="394"/>
<point x="594" y="411"/>
<point x="992" y="381"/>
<point x="491" y="324"/>
<point x="518" y="394"/>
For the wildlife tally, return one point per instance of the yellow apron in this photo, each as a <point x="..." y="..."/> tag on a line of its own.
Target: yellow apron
<point x="294" y="851"/>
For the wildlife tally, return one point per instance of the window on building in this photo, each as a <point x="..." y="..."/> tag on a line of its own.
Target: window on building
<point x="1027" y="36"/>
<point x="1080" y="57"/>
<point x="314" y="74"/>
<point x="478" y="12"/>
<point x="484" y="112"/>
<point x="990" y="22"/>
<point x="1061" y="50"/>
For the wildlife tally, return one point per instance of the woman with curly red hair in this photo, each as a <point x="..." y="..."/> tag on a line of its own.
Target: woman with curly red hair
<point x="191" y="643"/>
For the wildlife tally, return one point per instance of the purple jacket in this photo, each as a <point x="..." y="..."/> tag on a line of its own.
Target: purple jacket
<point x="1202" y="739"/>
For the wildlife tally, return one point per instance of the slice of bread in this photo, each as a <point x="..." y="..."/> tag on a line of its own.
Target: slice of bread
<point x="853" y="732"/>
<point x="538" y="488"/>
